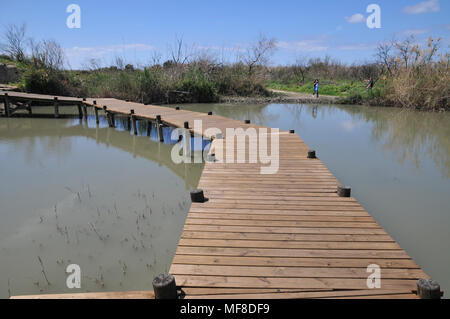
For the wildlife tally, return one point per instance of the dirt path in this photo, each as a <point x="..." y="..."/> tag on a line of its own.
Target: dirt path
<point x="302" y="96"/>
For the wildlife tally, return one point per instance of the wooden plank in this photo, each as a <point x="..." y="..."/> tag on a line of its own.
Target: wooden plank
<point x="328" y="253"/>
<point x="336" y="294"/>
<point x="286" y="230"/>
<point x="293" y="262"/>
<point x="291" y="272"/>
<point x="294" y="282"/>
<point x="322" y="224"/>
<point x="287" y="237"/>
<point x="287" y="244"/>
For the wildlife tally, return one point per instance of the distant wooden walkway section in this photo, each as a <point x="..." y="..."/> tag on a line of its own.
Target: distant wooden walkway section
<point x="285" y="235"/>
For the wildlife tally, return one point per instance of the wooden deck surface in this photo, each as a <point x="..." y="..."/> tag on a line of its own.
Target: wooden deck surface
<point x="283" y="235"/>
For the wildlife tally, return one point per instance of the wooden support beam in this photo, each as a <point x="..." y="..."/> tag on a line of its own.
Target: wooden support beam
<point x="134" y="121"/>
<point x="80" y="111"/>
<point x="96" y="112"/>
<point x="7" y="107"/>
<point x="159" y="126"/>
<point x="56" y="106"/>
<point x="149" y="127"/>
<point x="113" y="121"/>
<point x="85" y="112"/>
<point x="96" y="115"/>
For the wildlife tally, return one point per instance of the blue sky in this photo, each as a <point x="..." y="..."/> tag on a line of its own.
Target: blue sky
<point x="139" y="30"/>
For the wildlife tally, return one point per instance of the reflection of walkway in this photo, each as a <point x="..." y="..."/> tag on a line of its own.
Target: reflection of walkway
<point x="282" y="235"/>
<point x="139" y="146"/>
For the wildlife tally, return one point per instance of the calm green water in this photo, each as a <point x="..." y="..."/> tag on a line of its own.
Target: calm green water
<point x="397" y="163"/>
<point x="115" y="204"/>
<point x="74" y="193"/>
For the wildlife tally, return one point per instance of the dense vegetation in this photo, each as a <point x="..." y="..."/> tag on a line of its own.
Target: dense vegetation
<point x="404" y="75"/>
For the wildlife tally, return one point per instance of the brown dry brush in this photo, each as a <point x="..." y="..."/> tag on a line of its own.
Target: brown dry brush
<point x="417" y="77"/>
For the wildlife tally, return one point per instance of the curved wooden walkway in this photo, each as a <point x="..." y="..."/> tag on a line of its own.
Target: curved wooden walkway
<point x="283" y="235"/>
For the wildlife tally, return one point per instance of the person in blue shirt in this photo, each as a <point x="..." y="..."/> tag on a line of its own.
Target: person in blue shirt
<point x="316" y="88"/>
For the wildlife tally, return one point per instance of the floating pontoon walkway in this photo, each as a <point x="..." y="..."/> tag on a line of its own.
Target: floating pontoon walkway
<point x="282" y="235"/>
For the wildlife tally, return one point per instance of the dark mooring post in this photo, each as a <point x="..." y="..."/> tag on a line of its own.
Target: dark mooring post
<point x="7" y="108"/>
<point x="160" y="128"/>
<point x="428" y="289"/>
<point x="343" y="191"/>
<point x="56" y="105"/>
<point x="247" y="121"/>
<point x="311" y="154"/>
<point x="164" y="287"/>
<point x="30" y="111"/>
<point x="197" y="196"/>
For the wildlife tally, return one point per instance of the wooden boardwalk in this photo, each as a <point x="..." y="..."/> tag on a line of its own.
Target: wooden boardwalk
<point x="283" y="235"/>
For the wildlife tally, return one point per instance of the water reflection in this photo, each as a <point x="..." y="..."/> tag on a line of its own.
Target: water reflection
<point x="75" y="192"/>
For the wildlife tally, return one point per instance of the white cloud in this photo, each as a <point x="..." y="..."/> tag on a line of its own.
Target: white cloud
<point x="350" y="126"/>
<point x="423" y="7"/>
<point x="413" y="32"/>
<point x="96" y="52"/>
<point x="356" y="18"/>
<point x="356" y="47"/>
<point x="304" y="45"/>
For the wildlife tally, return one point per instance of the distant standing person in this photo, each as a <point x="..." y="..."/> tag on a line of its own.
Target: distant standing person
<point x="316" y="88"/>
<point x="370" y="84"/>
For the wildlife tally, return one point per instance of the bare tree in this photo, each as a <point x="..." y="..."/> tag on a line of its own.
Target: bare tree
<point x="405" y="49"/>
<point x="300" y="67"/>
<point x="14" y="39"/>
<point x="47" y="54"/>
<point x="259" y="53"/>
<point x="385" y="56"/>
<point x="180" y="53"/>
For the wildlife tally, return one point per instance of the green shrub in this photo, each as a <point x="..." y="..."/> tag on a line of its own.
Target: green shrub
<point x="45" y="82"/>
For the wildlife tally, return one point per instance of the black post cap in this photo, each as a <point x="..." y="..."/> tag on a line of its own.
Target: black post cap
<point x="311" y="154"/>
<point x="209" y="113"/>
<point x="343" y="191"/>
<point x="197" y="196"/>
<point x="164" y="287"/>
<point x="55" y="98"/>
<point x="247" y="121"/>
<point x="84" y="99"/>
<point x="428" y="289"/>
<point x="105" y="107"/>
<point x="158" y="118"/>
<point x="131" y="111"/>
<point x="177" y="108"/>
<point x="292" y="131"/>
<point x="95" y="102"/>
<point x="186" y="125"/>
